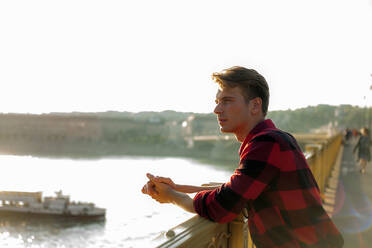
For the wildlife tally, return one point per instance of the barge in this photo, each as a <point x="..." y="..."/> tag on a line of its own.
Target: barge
<point x="32" y="204"/>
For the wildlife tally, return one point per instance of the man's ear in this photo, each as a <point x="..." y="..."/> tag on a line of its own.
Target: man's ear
<point x="256" y="105"/>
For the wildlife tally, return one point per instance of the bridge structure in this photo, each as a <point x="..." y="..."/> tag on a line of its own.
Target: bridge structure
<point x="323" y="153"/>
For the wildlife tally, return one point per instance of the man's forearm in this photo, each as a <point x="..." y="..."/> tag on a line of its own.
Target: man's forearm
<point x="183" y="200"/>
<point x="194" y="189"/>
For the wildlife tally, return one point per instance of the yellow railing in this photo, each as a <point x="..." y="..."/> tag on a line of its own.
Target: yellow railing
<point x="321" y="157"/>
<point x="199" y="232"/>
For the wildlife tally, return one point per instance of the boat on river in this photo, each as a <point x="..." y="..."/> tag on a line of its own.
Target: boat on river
<point x="32" y="204"/>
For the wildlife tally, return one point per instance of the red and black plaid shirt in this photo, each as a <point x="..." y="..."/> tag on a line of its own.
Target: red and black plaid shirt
<point x="275" y="184"/>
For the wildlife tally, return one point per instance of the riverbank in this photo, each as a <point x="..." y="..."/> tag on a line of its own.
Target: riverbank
<point x="211" y="151"/>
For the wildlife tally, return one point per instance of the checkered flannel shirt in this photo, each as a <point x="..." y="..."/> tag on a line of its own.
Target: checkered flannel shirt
<point x="275" y="184"/>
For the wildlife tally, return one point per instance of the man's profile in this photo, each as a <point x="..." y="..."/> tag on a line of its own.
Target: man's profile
<point x="272" y="181"/>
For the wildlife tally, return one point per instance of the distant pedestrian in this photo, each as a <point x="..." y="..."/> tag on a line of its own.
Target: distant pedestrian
<point x="347" y="136"/>
<point x="363" y="147"/>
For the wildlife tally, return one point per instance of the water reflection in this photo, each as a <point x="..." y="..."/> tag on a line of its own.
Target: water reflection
<point x="132" y="219"/>
<point x="49" y="232"/>
<point x="223" y="165"/>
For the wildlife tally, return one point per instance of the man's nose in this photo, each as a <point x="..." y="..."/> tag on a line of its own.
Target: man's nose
<point x="217" y="110"/>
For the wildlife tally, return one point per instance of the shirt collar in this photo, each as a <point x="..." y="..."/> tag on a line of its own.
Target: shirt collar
<point x="265" y="124"/>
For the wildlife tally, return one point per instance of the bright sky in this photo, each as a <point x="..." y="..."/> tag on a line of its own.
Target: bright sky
<point x="73" y="55"/>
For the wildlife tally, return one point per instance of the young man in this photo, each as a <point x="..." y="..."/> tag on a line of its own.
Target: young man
<point x="273" y="180"/>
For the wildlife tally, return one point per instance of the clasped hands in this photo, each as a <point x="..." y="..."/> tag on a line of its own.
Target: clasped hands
<point x="164" y="190"/>
<point x="160" y="189"/>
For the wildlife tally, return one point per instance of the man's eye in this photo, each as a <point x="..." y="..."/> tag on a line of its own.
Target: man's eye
<point x="224" y="101"/>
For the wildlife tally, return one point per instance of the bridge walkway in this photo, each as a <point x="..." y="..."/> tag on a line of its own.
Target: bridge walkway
<point x="353" y="206"/>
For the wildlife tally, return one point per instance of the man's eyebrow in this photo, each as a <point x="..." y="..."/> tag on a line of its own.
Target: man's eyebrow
<point x="224" y="98"/>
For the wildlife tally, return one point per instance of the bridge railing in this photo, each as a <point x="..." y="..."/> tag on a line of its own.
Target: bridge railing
<point x="321" y="156"/>
<point x="199" y="232"/>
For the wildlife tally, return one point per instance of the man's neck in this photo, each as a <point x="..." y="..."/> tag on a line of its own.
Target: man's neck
<point x="244" y="133"/>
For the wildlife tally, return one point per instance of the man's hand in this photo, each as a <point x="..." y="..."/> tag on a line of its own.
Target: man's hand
<point x="159" y="188"/>
<point x="165" y="180"/>
<point x="150" y="189"/>
<point x="165" y="192"/>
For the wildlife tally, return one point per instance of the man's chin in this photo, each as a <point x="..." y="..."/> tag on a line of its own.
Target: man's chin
<point x="225" y="130"/>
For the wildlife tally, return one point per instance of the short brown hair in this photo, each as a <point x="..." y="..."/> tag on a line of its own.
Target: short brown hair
<point x="365" y="131"/>
<point x="249" y="81"/>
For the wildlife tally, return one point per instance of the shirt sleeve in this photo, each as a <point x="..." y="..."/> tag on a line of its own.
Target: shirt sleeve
<point x="250" y="179"/>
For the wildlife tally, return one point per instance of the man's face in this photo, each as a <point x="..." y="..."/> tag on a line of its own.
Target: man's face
<point x="233" y="113"/>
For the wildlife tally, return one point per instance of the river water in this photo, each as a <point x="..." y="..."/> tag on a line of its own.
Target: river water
<point x="132" y="219"/>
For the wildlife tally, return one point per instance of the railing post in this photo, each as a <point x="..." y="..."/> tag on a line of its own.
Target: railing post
<point x="239" y="233"/>
<point x="317" y="166"/>
<point x="324" y="165"/>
